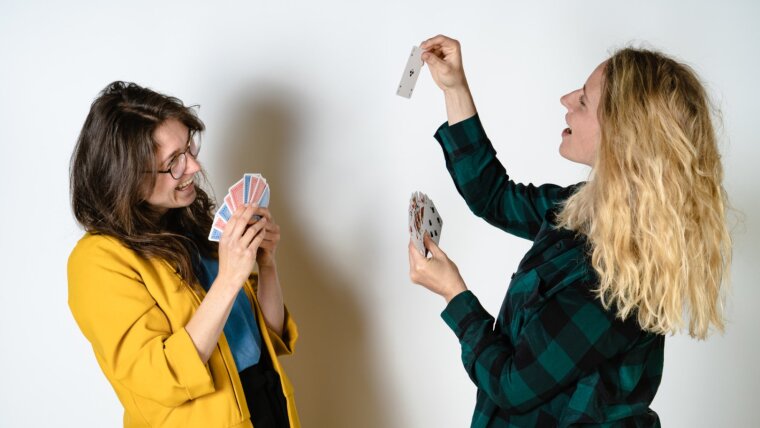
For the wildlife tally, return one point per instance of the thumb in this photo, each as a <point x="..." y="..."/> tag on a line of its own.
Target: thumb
<point x="414" y="253"/>
<point x="432" y="247"/>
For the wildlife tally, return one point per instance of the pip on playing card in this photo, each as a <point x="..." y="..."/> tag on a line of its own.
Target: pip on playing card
<point x="252" y="188"/>
<point x="424" y="219"/>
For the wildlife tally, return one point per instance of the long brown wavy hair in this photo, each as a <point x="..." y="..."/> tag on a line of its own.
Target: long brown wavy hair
<point x="113" y="168"/>
<point x="654" y="210"/>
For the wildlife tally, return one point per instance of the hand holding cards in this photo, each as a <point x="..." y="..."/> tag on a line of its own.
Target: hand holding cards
<point x="423" y="219"/>
<point x="252" y="188"/>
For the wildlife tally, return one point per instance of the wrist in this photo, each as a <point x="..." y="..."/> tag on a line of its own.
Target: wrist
<point x="267" y="266"/>
<point x="459" y="90"/>
<point x="459" y="104"/>
<point x="227" y="285"/>
<point x="460" y="288"/>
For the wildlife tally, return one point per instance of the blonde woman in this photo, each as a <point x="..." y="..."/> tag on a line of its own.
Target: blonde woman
<point x="637" y="252"/>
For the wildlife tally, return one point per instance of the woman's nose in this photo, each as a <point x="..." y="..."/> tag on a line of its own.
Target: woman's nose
<point x="192" y="164"/>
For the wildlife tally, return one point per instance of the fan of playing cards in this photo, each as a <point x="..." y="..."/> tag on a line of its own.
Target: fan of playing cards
<point x="251" y="188"/>
<point x="423" y="219"/>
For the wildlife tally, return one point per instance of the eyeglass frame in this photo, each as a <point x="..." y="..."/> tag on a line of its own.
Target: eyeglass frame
<point x="176" y="158"/>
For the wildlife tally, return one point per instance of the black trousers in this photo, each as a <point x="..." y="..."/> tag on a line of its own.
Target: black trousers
<point x="263" y="393"/>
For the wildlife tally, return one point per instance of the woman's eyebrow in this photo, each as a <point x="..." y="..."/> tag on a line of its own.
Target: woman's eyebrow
<point x="171" y="155"/>
<point x="176" y="152"/>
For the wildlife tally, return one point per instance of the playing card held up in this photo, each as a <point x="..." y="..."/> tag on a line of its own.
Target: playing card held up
<point x="411" y="72"/>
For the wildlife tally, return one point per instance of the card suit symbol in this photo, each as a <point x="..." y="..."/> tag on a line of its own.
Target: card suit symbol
<point x="411" y="72"/>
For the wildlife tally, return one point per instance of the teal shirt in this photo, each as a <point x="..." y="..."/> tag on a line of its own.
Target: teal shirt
<point x="241" y="330"/>
<point x="553" y="356"/>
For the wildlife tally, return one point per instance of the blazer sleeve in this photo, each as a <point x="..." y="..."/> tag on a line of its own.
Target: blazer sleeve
<point x="284" y="344"/>
<point x="130" y="334"/>
<point x="486" y="187"/>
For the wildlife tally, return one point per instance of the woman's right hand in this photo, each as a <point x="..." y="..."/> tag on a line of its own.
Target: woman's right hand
<point x="443" y="55"/>
<point x="239" y="244"/>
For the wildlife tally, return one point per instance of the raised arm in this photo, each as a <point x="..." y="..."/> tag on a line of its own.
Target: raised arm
<point x="471" y="159"/>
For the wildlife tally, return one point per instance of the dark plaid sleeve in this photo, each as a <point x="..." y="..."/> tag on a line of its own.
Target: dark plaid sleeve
<point x="484" y="184"/>
<point x="567" y="338"/>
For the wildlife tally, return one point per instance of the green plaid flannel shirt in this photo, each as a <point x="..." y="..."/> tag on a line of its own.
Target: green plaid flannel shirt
<point x="554" y="356"/>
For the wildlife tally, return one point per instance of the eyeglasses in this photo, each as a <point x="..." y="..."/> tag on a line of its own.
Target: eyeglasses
<point x="178" y="163"/>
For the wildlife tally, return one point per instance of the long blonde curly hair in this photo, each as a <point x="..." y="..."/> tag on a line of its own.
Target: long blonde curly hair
<point x="654" y="209"/>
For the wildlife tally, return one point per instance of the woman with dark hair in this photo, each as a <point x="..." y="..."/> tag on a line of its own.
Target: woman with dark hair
<point x="637" y="252"/>
<point x="185" y="332"/>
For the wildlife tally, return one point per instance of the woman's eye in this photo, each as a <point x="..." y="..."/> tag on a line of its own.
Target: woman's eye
<point x="170" y="163"/>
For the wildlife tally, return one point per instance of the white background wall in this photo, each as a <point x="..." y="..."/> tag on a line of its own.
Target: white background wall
<point x="304" y="92"/>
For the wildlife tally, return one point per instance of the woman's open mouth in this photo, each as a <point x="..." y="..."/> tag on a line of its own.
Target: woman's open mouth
<point x="185" y="184"/>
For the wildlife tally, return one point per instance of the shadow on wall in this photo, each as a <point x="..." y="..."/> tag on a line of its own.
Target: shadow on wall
<point x="333" y="369"/>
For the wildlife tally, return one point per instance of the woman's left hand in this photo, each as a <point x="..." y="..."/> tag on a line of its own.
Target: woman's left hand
<point x="438" y="274"/>
<point x="268" y="247"/>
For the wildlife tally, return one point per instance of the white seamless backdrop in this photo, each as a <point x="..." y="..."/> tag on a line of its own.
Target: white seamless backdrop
<point x="304" y="92"/>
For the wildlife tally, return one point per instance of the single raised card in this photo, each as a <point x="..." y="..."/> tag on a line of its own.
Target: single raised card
<point x="411" y="71"/>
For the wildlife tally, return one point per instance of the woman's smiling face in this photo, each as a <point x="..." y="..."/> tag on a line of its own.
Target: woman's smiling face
<point x="173" y="138"/>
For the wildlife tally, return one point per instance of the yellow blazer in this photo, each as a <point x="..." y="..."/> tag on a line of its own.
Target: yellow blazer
<point x="134" y="311"/>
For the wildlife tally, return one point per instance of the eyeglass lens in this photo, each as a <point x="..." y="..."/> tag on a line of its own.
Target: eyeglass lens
<point x="180" y="163"/>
